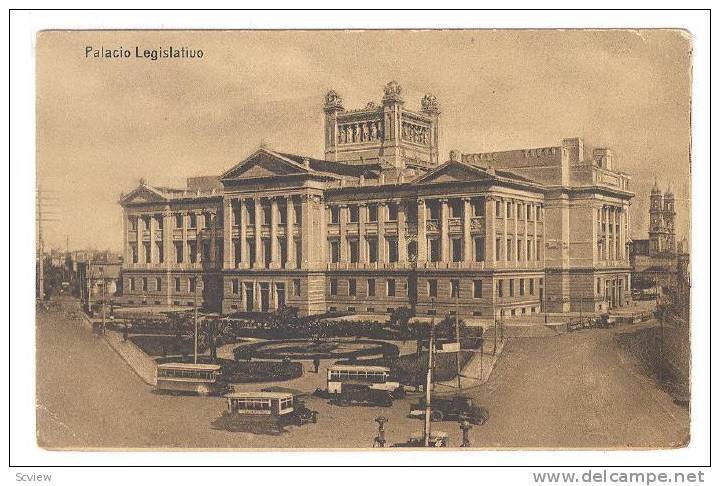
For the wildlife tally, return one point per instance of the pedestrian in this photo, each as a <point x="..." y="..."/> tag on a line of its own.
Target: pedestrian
<point x="316" y="364"/>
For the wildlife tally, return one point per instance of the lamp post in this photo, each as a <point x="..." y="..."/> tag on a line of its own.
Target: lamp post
<point x="196" y="322"/>
<point x="465" y="427"/>
<point x="380" y="439"/>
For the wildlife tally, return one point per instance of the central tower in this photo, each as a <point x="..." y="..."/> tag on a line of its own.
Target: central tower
<point x="388" y="134"/>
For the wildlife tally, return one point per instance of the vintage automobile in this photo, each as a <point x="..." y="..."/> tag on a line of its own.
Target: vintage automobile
<point x="273" y="408"/>
<point x="201" y="379"/>
<point x="437" y="439"/>
<point x="363" y="394"/>
<point x="451" y="408"/>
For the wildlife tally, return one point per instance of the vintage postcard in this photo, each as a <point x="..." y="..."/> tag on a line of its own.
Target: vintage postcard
<point x="357" y="239"/>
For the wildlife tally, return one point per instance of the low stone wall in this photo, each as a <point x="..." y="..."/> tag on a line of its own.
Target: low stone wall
<point x="144" y="366"/>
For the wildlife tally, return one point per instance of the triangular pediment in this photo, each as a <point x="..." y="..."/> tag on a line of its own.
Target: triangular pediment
<point x="143" y="194"/>
<point x="453" y="171"/>
<point x="264" y="163"/>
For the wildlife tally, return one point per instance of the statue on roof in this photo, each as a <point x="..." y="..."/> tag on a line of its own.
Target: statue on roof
<point x="393" y="92"/>
<point x="333" y="100"/>
<point x="430" y="104"/>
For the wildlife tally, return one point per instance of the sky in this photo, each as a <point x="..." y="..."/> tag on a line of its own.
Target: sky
<point x="103" y="124"/>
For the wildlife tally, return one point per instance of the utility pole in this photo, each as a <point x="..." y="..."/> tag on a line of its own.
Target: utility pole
<point x="102" y="296"/>
<point x="428" y="383"/>
<point x="196" y="320"/>
<point x="457" y="340"/>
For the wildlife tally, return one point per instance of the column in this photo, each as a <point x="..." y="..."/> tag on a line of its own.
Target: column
<point x="362" y="241"/>
<point x="444" y="254"/>
<point x="274" y="247"/>
<point x="167" y="250"/>
<point x="503" y="243"/>
<point x="242" y="245"/>
<point x="305" y="230"/>
<point x="126" y="254"/>
<point x="382" y="206"/>
<point x="516" y="207"/>
<point x="258" y="263"/>
<point x="152" y="238"/>
<point x="490" y="231"/>
<point x="594" y="239"/>
<point x="256" y="285"/>
<point x="606" y="235"/>
<point x="534" y="244"/>
<point x="198" y="236"/>
<point x="289" y="232"/>
<point x="212" y="222"/>
<point x="422" y="231"/>
<point x="186" y="244"/>
<point x="467" y="240"/>
<point x="402" y="242"/>
<point x="343" y="210"/>
<point x="527" y="252"/>
<point x="228" y="247"/>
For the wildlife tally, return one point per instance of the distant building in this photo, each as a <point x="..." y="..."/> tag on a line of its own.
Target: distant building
<point x="381" y="222"/>
<point x="655" y="261"/>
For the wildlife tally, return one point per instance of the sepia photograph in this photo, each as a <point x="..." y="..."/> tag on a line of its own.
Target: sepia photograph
<point x="363" y="239"/>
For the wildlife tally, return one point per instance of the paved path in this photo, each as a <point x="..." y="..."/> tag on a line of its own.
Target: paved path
<point x="574" y="390"/>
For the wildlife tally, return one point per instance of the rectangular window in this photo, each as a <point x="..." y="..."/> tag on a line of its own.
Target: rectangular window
<point x="177" y="284"/>
<point x="354" y="213"/>
<point x="235" y="286"/>
<point x="479" y="249"/>
<point x="251" y="213"/>
<point x="434" y="250"/>
<point x="532" y="286"/>
<point x="134" y="252"/>
<point x="266" y="214"/>
<point x="160" y="252"/>
<point x="477" y="289"/>
<point x="432" y="288"/>
<point x="372" y="250"/>
<point x="522" y="287"/>
<point x="520" y="211"/>
<point x="296" y="287"/>
<point x="391" y="287"/>
<point x="597" y="291"/>
<point x="178" y="220"/>
<point x="456" y="249"/>
<point x="498" y="249"/>
<point x="500" y="288"/>
<point x="282" y="212"/>
<point x="334" y="215"/>
<point x="132" y="284"/>
<point x="456" y="208"/>
<point x="371" y="287"/>
<point x="454" y="288"/>
<point x="392" y="211"/>
<point x="354" y="251"/>
<point x="144" y="284"/>
<point x="508" y="248"/>
<point x="148" y="251"/>
<point x="518" y="252"/>
<point x="372" y="213"/>
<point x="508" y="210"/>
<point x="179" y="253"/>
<point x="537" y="249"/>
<point x="539" y="213"/>
<point x="478" y="207"/>
<point x="434" y="209"/>
<point x="529" y="212"/>
<point x="528" y="255"/>
<point x="334" y="251"/>
<point x="498" y="209"/>
<point x="267" y="252"/>
<point x="158" y="283"/>
<point x="511" y="290"/>
<point x="297" y="210"/>
<point x="192" y="248"/>
<point x="392" y="244"/>
<point x="352" y="287"/>
<point x="333" y="286"/>
<point x="191" y="284"/>
<point x="193" y="220"/>
<point x="133" y="223"/>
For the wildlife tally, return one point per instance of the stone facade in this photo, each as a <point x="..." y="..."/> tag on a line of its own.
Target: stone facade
<point x="380" y="223"/>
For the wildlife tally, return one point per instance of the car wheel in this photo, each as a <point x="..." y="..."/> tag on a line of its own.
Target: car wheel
<point x="436" y="416"/>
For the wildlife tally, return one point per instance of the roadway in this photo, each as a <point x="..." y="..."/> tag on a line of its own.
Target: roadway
<point x="574" y="390"/>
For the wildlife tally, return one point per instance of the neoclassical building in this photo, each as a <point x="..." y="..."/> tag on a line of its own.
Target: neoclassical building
<point x="381" y="222"/>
